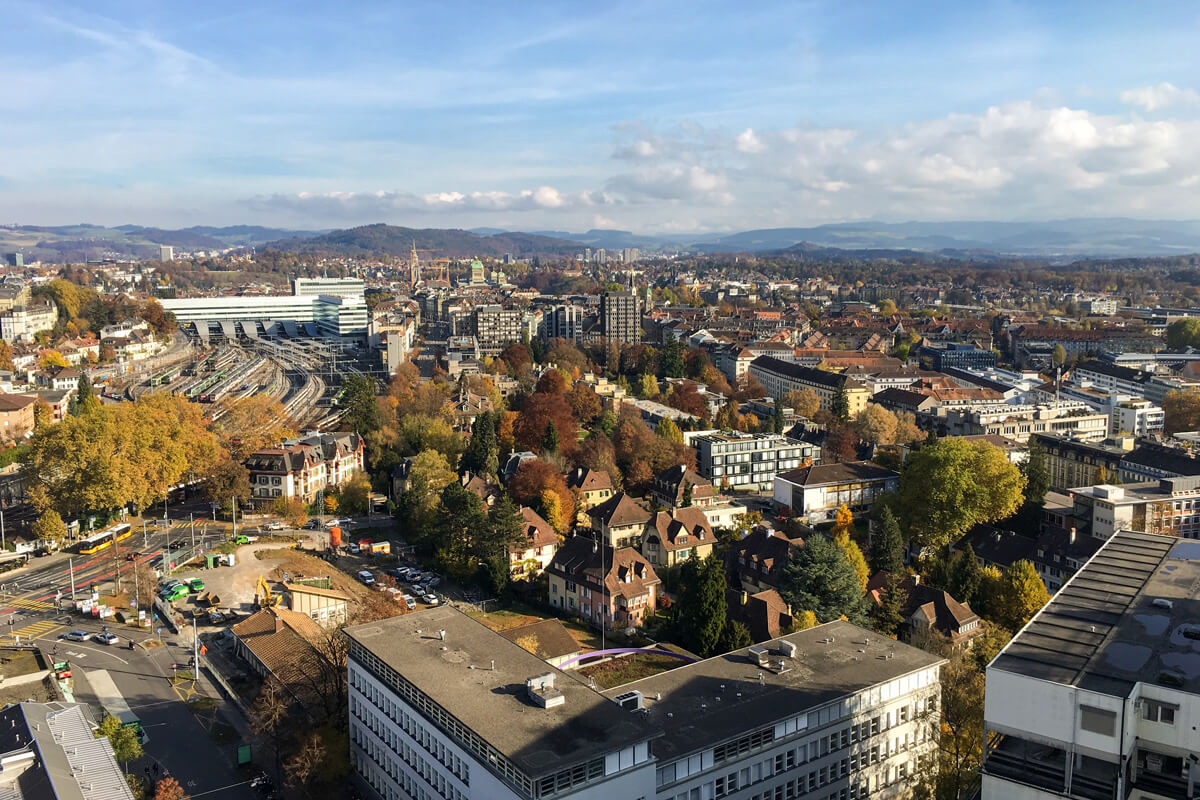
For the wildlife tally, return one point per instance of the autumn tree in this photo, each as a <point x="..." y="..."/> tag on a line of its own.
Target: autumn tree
<point x="51" y="358"/>
<point x="416" y="508"/>
<point x="228" y="482"/>
<point x="516" y="356"/>
<point x="907" y="430"/>
<point x="1181" y="410"/>
<point x="804" y="402"/>
<point x="124" y="741"/>
<point x="841" y="444"/>
<point x="686" y="397"/>
<point x="875" y="424"/>
<point x="952" y="485"/>
<point x="84" y="400"/>
<point x="647" y="387"/>
<point x="246" y="424"/>
<point x="1024" y="595"/>
<point x="50" y="527"/>
<point x="169" y="789"/>
<point x="356" y="494"/>
<point x="1183" y="333"/>
<point x="668" y="430"/>
<point x="535" y="483"/>
<point x="843" y="528"/>
<point x="585" y="403"/>
<point x="540" y="411"/>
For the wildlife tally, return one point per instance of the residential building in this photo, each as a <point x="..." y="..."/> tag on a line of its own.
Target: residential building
<point x="1136" y="416"/>
<point x="943" y="355"/>
<point x="324" y="605"/>
<point x="620" y="520"/>
<point x="592" y="486"/>
<point x="1019" y="422"/>
<point x="1072" y="462"/>
<point x="433" y="709"/>
<point x="1101" y="306"/>
<point x="756" y="561"/>
<point x="1170" y="506"/>
<point x="16" y="416"/>
<point x="1096" y="696"/>
<point x="279" y="643"/>
<point x="621" y="317"/>
<point x="816" y="493"/>
<point x="927" y="610"/>
<point x="496" y="327"/>
<point x="59" y="379"/>
<point x="51" y="751"/>
<point x="747" y="461"/>
<point x="303" y="467"/>
<point x="677" y="486"/>
<point x="21" y="323"/>
<point x="606" y="587"/>
<point x="672" y="537"/>
<point x="779" y="377"/>
<point x="765" y="614"/>
<point x="533" y="553"/>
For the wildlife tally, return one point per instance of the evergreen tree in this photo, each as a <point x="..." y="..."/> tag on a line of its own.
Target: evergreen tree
<point x="887" y="546"/>
<point x="839" y="406"/>
<point x="84" y="399"/>
<point x="966" y="577"/>
<point x="700" y="610"/>
<point x="686" y="502"/>
<point x="482" y="455"/>
<point x="671" y="359"/>
<point x="1028" y="518"/>
<point x="734" y="636"/>
<point x="888" y="616"/>
<point x="362" y="409"/>
<point x="777" y="418"/>
<point x="819" y="578"/>
<point x="537" y="350"/>
<point x="550" y="439"/>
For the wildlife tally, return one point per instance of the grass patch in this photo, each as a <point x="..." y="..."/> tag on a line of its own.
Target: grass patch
<point x="182" y="676"/>
<point x="201" y="704"/>
<point x="619" y="671"/>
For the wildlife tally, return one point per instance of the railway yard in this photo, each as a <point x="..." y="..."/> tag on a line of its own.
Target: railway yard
<point x="304" y="375"/>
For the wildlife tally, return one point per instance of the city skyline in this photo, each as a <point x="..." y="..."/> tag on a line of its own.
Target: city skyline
<point x="628" y="116"/>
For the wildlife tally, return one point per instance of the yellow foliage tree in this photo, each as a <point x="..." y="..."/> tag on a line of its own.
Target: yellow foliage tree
<point x="52" y="358"/>
<point x="331" y="504"/>
<point x="251" y="423"/>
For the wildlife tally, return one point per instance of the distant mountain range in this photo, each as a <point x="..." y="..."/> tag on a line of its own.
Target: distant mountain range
<point x="1055" y="240"/>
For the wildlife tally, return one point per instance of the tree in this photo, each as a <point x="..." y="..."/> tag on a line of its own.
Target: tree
<point x="50" y="527"/>
<point x="668" y="430"/>
<point x="330" y="504"/>
<point x="84" y="400"/>
<point x="539" y="411"/>
<point x="841" y="444"/>
<point x="840" y="533"/>
<point x="247" y="424"/>
<point x="550" y="439"/>
<point x="875" y="424"/>
<point x="229" y="480"/>
<point x="482" y="455"/>
<point x="356" y="494"/>
<point x="517" y="357"/>
<point x="671" y="358"/>
<point x="888" y="616"/>
<point x="966" y="576"/>
<point x="534" y="479"/>
<point x="585" y="403"/>
<point x="804" y="402"/>
<point x="686" y="397"/>
<point x="1181" y="410"/>
<point x="699" y="613"/>
<point x="169" y="789"/>
<point x="124" y="741"/>
<point x="1024" y="594"/>
<point x="777" y="417"/>
<point x="887" y="307"/>
<point x="553" y="381"/>
<point x="269" y="714"/>
<point x="907" y="430"/>
<point x="686" y="500"/>
<point x="952" y="485"/>
<point x="304" y="766"/>
<point x="819" y="578"/>
<point x="139" y="786"/>
<point x="462" y="517"/>
<point x="362" y="406"/>
<point x="52" y="358"/>
<point x="839" y="405"/>
<point x="734" y="636"/>
<point x="1183" y="333"/>
<point x="1037" y="482"/>
<point x="887" y="545"/>
<point x="647" y="388"/>
<point x="292" y="510"/>
<point x="1058" y="355"/>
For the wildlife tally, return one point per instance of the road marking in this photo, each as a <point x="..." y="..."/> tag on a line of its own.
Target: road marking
<point x="38" y="629"/>
<point x="27" y="603"/>
<point x="96" y="650"/>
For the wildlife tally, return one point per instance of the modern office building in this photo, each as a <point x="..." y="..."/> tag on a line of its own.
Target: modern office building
<point x="779" y="377"/>
<point x="496" y="327"/>
<point x="1170" y="506"/>
<point x="350" y="288"/>
<point x="621" y="317"/>
<point x="330" y="315"/>
<point x="815" y="493"/>
<point x="563" y="322"/>
<point x="747" y="461"/>
<point x="1098" y="696"/>
<point x="15" y="259"/>
<point x="442" y="706"/>
<point x="1019" y="422"/>
<point x="166" y="253"/>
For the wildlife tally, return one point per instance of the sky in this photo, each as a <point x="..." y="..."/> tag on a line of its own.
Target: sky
<point x="655" y="117"/>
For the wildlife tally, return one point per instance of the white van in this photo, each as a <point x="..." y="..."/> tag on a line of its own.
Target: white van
<point x="366" y="577"/>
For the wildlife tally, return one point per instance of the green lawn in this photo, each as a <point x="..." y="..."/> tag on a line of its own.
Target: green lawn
<point x="620" y="671"/>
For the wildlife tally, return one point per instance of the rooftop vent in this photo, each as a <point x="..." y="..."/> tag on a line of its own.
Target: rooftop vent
<point x="630" y="701"/>
<point x="542" y="692"/>
<point x="1162" y="602"/>
<point x="758" y="655"/>
<point x="787" y="649"/>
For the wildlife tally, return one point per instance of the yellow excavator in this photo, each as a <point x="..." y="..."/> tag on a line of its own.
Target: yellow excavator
<point x="263" y="595"/>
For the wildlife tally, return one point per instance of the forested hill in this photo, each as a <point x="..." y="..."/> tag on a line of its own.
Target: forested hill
<point x="380" y="239"/>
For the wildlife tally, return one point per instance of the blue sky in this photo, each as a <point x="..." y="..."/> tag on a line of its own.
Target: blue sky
<point x="655" y="117"/>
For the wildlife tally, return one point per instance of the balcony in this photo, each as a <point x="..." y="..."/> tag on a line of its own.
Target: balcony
<point x="1030" y="763"/>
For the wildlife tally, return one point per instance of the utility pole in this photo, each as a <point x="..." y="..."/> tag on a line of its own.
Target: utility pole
<point x="144" y="540"/>
<point x="192" y="526"/>
<point x="117" y="558"/>
<point x="3" y="542"/>
<point x="195" y="651"/>
<point x="234" y="500"/>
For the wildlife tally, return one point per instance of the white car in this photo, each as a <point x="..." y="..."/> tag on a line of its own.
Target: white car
<point x="409" y="602"/>
<point x="77" y="636"/>
<point x="430" y="599"/>
<point x="107" y="638"/>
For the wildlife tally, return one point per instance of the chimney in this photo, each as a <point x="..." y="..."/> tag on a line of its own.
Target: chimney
<point x="442" y="634"/>
<point x="278" y="622"/>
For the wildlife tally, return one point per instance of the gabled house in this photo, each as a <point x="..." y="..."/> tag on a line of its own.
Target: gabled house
<point x="620" y="520"/>
<point x="676" y="485"/>
<point x="279" y="643"/>
<point x="671" y="538"/>
<point x="536" y="549"/>
<point x="927" y="609"/>
<point x="765" y="614"/>
<point x="592" y="486"/>
<point x="466" y="407"/>
<point x="303" y="467"/>
<point x="757" y="561"/>
<point x="610" y="588"/>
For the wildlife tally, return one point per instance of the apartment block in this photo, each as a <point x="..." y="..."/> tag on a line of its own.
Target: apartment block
<point x="747" y="461"/>
<point x="779" y="377"/>
<point x="621" y="317"/>
<point x="1170" y="506"/>
<point x="1098" y="696"/>
<point x="442" y="706"/>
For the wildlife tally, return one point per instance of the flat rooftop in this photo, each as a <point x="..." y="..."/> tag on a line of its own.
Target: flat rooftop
<point x="458" y="674"/>
<point x="711" y="701"/>
<point x="1103" y="631"/>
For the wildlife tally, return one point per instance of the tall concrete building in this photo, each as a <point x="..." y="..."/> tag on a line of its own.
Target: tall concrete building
<point x="166" y="253"/>
<point x="1098" y="695"/>
<point x="351" y="288"/>
<point x="620" y="314"/>
<point x="15" y="259"/>
<point x="442" y="706"/>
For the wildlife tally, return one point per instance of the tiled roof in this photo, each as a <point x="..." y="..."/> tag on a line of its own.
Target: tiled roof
<point x="833" y="474"/>
<point x="620" y="510"/>
<point x="285" y="649"/>
<point x="537" y="531"/>
<point x="589" y="480"/>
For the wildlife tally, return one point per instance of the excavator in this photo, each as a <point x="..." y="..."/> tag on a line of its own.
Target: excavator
<point x="263" y="595"/>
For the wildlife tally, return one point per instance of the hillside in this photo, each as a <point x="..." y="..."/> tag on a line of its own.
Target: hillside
<point x="73" y="243"/>
<point x="381" y="239"/>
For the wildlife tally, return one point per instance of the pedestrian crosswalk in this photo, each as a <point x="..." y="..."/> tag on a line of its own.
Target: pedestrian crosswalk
<point x="26" y="603"/>
<point x="39" y="629"/>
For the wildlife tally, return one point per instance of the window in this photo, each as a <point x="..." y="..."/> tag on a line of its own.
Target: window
<point x="1158" y="712"/>
<point x="1097" y="720"/>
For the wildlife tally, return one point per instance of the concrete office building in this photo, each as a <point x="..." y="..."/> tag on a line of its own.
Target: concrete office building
<point x="621" y="317"/>
<point x="166" y="253"/>
<point x="1169" y="506"/>
<point x="442" y="706"/>
<point x="747" y="461"/>
<point x="1098" y="696"/>
<point x="331" y="315"/>
<point x="563" y="322"/>
<point x="352" y="288"/>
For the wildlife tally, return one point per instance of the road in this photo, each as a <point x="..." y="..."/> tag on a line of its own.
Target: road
<point x="179" y="740"/>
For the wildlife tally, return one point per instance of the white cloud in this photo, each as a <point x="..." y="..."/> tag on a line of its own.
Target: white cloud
<point x="1152" y="98"/>
<point x="676" y="182"/>
<point x="748" y="142"/>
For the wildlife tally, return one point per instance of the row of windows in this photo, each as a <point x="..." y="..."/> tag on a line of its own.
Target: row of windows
<point x="418" y="732"/>
<point x="381" y="756"/>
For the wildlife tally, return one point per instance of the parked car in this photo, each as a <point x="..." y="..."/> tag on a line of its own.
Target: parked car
<point x="77" y="636"/>
<point x="433" y="582"/>
<point x="107" y="638"/>
<point x="429" y="599"/>
<point x="275" y="526"/>
<point x="353" y="548"/>
<point x="196" y="585"/>
<point x="409" y="602"/>
<point x="366" y="577"/>
<point x="311" y="525"/>
<point x="175" y="593"/>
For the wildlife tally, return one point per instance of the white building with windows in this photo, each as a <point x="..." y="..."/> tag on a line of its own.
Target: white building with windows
<point x="332" y="287"/>
<point x="1099" y="695"/>
<point x="441" y="706"/>
<point x="747" y="461"/>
